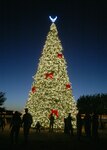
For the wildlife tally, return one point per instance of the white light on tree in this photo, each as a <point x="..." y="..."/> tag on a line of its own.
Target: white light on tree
<point x="51" y="90"/>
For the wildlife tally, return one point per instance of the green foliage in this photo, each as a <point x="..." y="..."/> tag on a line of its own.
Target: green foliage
<point x="93" y="103"/>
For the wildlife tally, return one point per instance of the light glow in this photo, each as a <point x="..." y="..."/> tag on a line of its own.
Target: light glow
<point x="53" y="19"/>
<point x="49" y="93"/>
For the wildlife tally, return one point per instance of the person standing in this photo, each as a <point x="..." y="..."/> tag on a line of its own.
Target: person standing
<point x="95" y="125"/>
<point x="87" y="123"/>
<point x="69" y="124"/>
<point x="38" y="127"/>
<point x="15" y="127"/>
<point x="79" y="125"/>
<point x="2" y="123"/>
<point x="26" y="123"/>
<point x="65" y="126"/>
<point x="51" y="118"/>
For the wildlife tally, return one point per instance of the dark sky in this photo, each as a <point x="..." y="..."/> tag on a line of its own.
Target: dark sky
<point x="82" y="28"/>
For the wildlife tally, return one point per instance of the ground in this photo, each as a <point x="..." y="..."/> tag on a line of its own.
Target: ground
<point x="52" y="141"/>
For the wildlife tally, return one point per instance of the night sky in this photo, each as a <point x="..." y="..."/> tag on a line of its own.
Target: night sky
<point x="82" y="29"/>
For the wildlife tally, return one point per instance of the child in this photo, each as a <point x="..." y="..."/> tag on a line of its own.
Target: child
<point x="38" y="127"/>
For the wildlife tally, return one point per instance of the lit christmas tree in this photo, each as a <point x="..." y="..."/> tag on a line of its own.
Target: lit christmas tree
<point x="51" y="90"/>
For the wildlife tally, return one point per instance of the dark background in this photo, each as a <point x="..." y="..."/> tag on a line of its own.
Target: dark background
<point x="82" y="27"/>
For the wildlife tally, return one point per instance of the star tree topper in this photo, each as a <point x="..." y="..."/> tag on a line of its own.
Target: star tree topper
<point x="53" y="19"/>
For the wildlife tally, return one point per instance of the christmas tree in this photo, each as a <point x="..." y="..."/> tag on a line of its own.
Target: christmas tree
<point x="51" y="90"/>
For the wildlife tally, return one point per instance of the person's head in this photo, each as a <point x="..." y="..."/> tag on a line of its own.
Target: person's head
<point x="26" y="110"/>
<point x="69" y="114"/>
<point x="16" y="112"/>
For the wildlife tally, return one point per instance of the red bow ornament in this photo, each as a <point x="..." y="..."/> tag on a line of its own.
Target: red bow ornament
<point x="55" y="112"/>
<point x="59" y="55"/>
<point x="49" y="75"/>
<point x="33" y="89"/>
<point x="68" y="86"/>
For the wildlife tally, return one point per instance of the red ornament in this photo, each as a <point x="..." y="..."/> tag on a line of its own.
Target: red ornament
<point x="55" y="112"/>
<point x="49" y="75"/>
<point x="33" y="89"/>
<point x="68" y="86"/>
<point x="59" y="55"/>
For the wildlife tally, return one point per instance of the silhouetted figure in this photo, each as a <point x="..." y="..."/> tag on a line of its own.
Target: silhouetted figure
<point x="65" y="126"/>
<point x="95" y="125"/>
<point x="15" y="127"/>
<point x="2" y="122"/>
<point x="69" y="124"/>
<point x="51" y="118"/>
<point x="79" y="125"/>
<point x="38" y="127"/>
<point x="87" y="124"/>
<point x="26" y="122"/>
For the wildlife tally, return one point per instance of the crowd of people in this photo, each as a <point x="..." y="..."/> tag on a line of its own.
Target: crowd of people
<point x="86" y="124"/>
<point x="17" y="122"/>
<point x="90" y="123"/>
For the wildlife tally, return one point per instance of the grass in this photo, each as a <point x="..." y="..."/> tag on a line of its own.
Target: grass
<point x="52" y="141"/>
